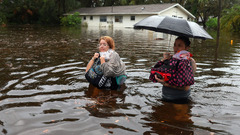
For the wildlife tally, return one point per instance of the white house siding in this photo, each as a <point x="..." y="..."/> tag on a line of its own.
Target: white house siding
<point x="93" y="22"/>
<point x="96" y="21"/>
<point x="126" y="21"/>
<point x="139" y="11"/>
<point x="174" y="12"/>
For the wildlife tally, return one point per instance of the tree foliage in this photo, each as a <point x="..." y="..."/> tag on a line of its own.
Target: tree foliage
<point x="71" y="20"/>
<point x="203" y="9"/>
<point x="231" y="19"/>
<point x="212" y="23"/>
<point x="35" y="11"/>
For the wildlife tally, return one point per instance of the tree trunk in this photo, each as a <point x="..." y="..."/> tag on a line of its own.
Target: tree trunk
<point x="59" y="7"/>
<point x="64" y="7"/>
<point x="218" y="28"/>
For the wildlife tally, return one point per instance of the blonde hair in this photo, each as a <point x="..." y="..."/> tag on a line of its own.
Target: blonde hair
<point x="109" y="41"/>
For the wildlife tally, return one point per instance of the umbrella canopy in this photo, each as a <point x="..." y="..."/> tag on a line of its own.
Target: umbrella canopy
<point x="172" y="25"/>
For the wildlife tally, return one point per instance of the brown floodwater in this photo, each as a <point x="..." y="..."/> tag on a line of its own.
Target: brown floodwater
<point x="43" y="89"/>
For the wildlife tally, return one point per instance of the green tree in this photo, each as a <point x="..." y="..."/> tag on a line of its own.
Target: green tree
<point x="153" y="2"/>
<point x="231" y="19"/>
<point x="108" y="3"/>
<point x="123" y="2"/>
<point x="35" y="11"/>
<point x="51" y="10"/>
<point x="212" y="23"/>
<point x="136" y="2"/>
<point x="203" y="9"/>
<point x="48" y="12"/>
<point x="19" y="11"/>
<point x="181" y="2"/>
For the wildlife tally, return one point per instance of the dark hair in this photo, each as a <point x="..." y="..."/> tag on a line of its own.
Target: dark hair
<point x="185" y="40"/>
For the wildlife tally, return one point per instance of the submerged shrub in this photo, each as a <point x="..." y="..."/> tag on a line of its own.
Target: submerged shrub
<point x="71" y="20"/>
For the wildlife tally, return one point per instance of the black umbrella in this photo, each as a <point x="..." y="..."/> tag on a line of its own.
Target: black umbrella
<point x="174" y="26"/>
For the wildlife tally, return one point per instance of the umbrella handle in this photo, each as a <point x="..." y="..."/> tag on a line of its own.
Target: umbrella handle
<point x="169" y="43"/>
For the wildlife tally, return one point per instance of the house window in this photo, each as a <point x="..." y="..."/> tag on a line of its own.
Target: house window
<point x="103" y="18"/>
<point x="91" y="17"/>
<point x="132" y="18"/>
<point x="174" y="16"/>
<point x="118" y="19"/>
<point x="84" y="17"/>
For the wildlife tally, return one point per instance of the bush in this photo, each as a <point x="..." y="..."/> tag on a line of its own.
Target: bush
<point x="212" y="23"/>
<point x="3" y="19"/>
<point x="71" y="20"/>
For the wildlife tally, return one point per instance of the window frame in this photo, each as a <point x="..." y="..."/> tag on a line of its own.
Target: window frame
<point x="103" y="18"/>
<point x="132" y="18"/>
<point x="118" y="18"/>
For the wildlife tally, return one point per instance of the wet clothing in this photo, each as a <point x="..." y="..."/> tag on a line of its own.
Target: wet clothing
<point x="174" y="94"/>
<point x="181" y="75"/>
<point x="180" y="70"/>
<point x="109" y="75"/>
<point x="114" y="66"/>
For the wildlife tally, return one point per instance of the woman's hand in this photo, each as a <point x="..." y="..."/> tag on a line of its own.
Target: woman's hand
<point x="95" y="56"/>
<point x="160" y="80"/>
<point x="90" y="63"/>
<point x="102" y="59"/>
<point x="166" y="56"/>
<point x="168" y="85"/>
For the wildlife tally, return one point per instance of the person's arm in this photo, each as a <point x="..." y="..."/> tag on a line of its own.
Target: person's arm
<point x="167" y="85"/>
<point x="194" y="65"/>
<point x="166" y="56"/>
<point x="90" y="63"/>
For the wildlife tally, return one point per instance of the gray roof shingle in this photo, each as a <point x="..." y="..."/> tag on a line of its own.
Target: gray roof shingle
<point x="130" y="9"/>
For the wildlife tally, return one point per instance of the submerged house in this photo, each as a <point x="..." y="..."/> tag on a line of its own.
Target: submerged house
<point x="127" y="16"/>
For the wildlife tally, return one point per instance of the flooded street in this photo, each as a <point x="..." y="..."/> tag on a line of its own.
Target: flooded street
<point x="43" y="89"/>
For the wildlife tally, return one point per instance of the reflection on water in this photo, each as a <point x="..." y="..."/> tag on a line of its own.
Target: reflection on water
<point x="43" y="89"/>
<point x="176" y="121"/>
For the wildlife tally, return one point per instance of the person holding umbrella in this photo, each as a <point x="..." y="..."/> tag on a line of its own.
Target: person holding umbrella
<point x="178" y="27"/>
<point x="178" y="87"/>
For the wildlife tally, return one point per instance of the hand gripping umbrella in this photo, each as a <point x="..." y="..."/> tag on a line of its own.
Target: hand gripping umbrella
<point x="174" y="26"/>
